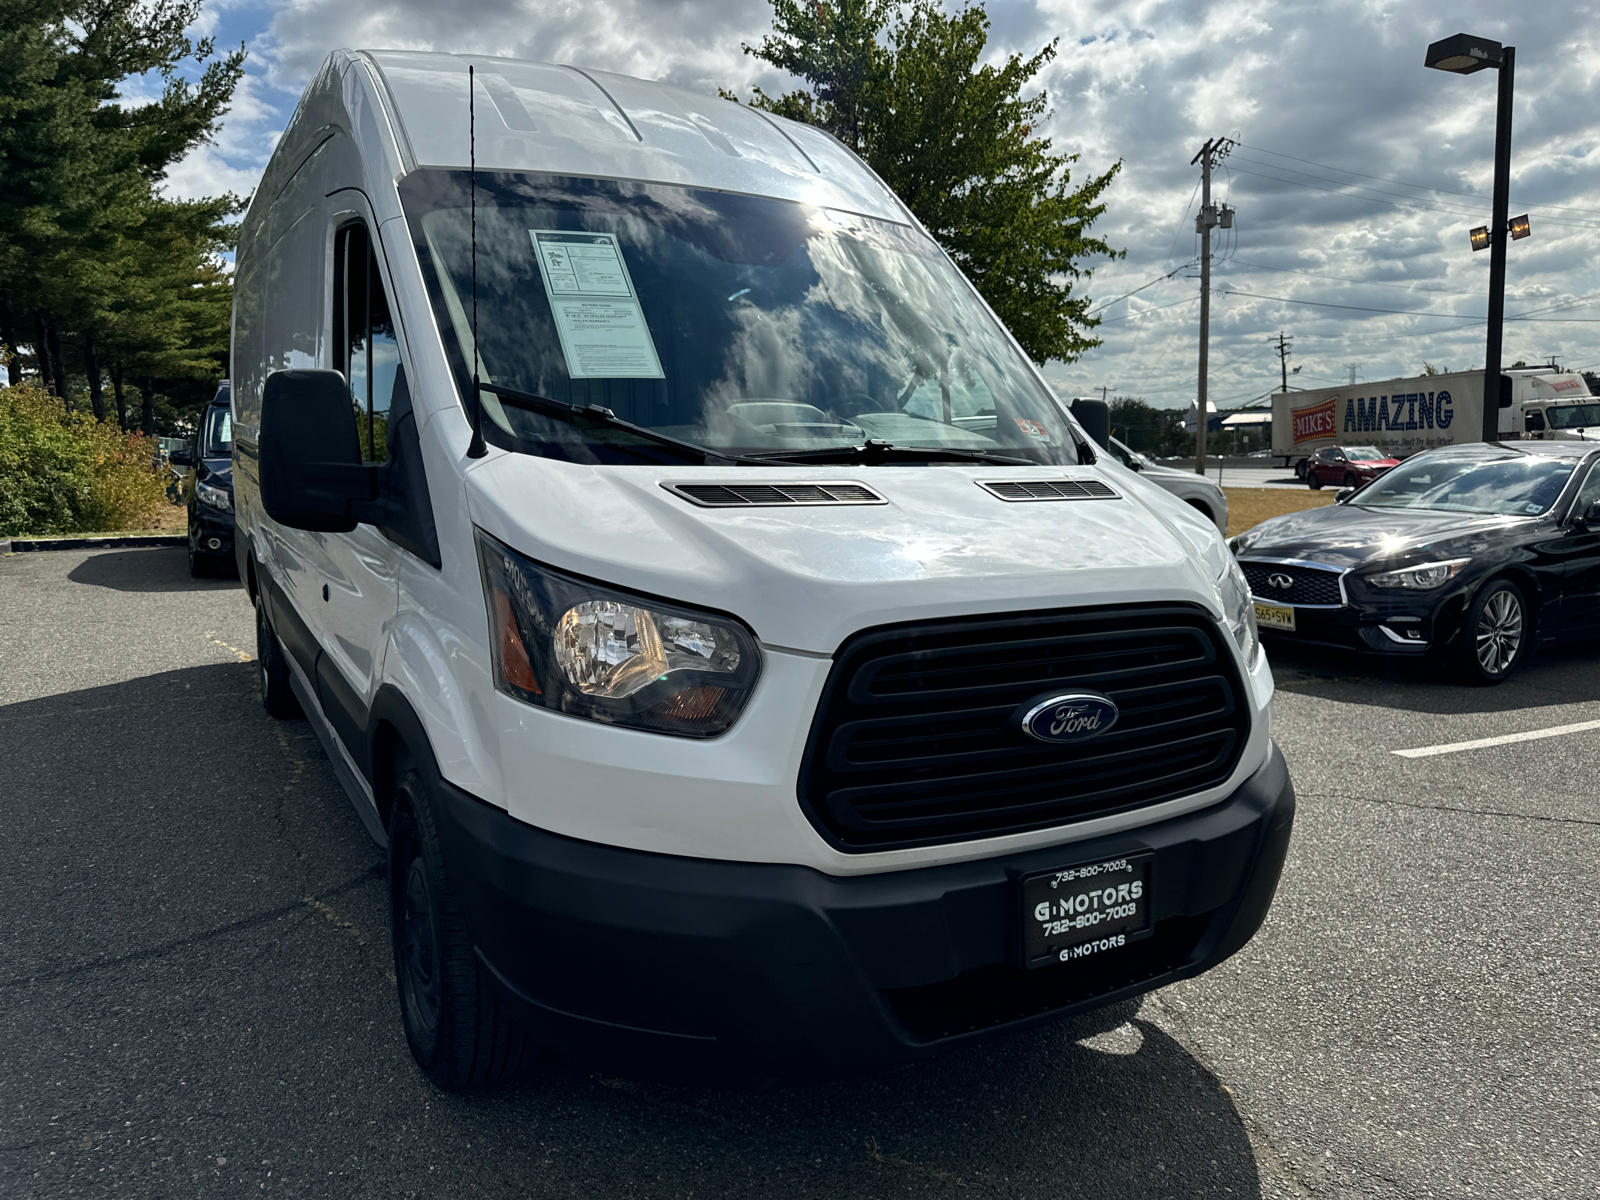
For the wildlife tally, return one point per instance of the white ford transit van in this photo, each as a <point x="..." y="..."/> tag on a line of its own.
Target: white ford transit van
<point x="757" y="674"/>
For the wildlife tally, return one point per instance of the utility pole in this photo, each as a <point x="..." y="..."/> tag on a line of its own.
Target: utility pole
<point x="1284" y="344"/>
<point x="1213" y="152"/>
<point x="1352" y="368"/>
<point x="1104" y="389"/>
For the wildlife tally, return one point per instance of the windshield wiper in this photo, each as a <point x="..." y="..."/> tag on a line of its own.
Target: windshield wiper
<point x="870" y="452"/>
<point x="874" y="451"/>
<point x="600" y="415"/>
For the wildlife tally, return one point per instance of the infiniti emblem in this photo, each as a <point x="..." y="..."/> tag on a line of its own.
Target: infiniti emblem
<point x="1067" y="717"/>
<point x="1279" y="580"/>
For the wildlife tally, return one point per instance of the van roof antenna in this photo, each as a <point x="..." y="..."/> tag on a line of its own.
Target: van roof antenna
<point x="475" y="448"/>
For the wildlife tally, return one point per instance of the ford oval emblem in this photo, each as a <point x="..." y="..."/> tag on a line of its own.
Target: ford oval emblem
<point x="1068" y="717"/>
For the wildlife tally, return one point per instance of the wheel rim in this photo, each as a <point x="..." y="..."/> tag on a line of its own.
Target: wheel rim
<point x="421" y="954"/>
<point x="1499" y="633"/>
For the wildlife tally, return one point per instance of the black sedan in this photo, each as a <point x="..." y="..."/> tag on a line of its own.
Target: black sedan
<point x="1474" y="554"/>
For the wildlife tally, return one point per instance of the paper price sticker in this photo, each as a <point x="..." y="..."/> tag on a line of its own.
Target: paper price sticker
<point x="598" y="319"/>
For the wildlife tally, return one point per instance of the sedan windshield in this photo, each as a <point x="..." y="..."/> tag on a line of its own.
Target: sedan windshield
<point x="741" y="324"/>
<point x="1574" y="416"/>
<point x="1472" y="480"/>
<point x="216" y="439"/>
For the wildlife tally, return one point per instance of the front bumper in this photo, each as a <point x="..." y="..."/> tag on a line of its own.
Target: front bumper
<point x="208" y="525"/>
<point x="1401" y="628"/>
<point x="650" y="964"/>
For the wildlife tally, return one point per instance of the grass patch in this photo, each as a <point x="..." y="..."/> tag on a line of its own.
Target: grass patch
<point x="1248" y="507"/>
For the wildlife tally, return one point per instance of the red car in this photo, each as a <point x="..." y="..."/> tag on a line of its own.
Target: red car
<point x="1347" y="466"/>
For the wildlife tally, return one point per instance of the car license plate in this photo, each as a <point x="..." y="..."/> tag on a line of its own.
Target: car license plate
<point x="1078" y="911"/>
<point x="1275" y="616"/>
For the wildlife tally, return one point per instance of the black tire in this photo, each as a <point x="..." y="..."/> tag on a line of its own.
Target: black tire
<point x="1350" y="480"/>
<point x="277" y="697"/>
<point x="1300" y="469"/>
<point x="1495" y="636"/>
<point x="456" y="1025"/>
<point x="1314" y="481"/>
<point x="201" y="566"/>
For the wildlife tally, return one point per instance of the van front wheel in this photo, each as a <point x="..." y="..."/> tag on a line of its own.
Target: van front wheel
<point x="277" y="697"/>
<point x="455" y="1024"/>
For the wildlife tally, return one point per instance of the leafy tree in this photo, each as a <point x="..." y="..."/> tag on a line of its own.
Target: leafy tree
<point x="901" y="85"/>
<point x="1149" y="430"/>
<point x="88" y="258"/>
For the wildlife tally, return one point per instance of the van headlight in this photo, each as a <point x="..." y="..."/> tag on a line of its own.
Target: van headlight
<point x="1239" y="611"/>
<point x="590" y="651"/>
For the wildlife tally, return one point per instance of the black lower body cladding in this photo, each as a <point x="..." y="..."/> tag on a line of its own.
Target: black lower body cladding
<point x="653" y="965"/>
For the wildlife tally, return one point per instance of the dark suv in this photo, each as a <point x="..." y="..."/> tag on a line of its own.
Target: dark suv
<point x="208" y="487"/>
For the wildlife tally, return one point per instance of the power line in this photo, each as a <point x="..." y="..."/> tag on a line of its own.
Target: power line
<point x="1402" y="183"/>
<point x="1139" y="289"/>
<point x="1411" y="203"/>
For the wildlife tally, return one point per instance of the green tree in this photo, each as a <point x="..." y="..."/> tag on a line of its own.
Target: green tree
<point x="1147" y="429"/>
<point x="901" y="85"/>
<point x="80" y="218"/>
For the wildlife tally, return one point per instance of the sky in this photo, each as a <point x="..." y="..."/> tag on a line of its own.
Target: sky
<point x="1355" y="180"/>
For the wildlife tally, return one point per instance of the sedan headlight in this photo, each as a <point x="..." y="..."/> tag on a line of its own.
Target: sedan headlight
<point x="214" y="496"/>
<point x="590" y="651"/>
<point x="1239" y="611"/>
<point x="1419" y="578"/>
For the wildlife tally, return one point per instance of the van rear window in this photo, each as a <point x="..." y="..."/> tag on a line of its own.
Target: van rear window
<point x="742" y="324"/>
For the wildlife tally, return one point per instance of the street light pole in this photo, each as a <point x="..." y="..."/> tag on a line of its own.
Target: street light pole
<point x="1465" y="54"/>
<point x="1499" y="234"/>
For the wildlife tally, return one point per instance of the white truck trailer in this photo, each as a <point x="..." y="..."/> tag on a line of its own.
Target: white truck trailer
<point x="1404" y="416"/>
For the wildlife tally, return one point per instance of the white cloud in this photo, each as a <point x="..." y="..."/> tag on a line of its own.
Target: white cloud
<point x="1340" y="84"/>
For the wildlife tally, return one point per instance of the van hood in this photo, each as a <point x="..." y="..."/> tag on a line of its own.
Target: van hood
<point x="807" y="577"/>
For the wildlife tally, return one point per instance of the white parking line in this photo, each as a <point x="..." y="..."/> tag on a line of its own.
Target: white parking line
<point x="1503" y="740"/>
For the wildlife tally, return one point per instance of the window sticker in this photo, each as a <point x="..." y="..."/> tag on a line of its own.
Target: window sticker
<point x="1034" y="429"/>
<point x="598" y="318"/>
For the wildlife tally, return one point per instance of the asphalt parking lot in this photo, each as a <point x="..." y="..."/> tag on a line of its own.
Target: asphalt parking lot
<point x="196" y="995"/>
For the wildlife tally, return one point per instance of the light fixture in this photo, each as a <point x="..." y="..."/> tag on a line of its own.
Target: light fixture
<point x="1463" y="54"/>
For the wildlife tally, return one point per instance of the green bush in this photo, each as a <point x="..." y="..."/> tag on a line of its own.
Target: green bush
<point x="64" y="472"/>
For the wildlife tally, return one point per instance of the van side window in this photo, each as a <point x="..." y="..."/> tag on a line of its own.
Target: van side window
<point x="363" y="337"/>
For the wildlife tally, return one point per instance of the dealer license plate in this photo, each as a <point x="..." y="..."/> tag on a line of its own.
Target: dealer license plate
<point x="1275" y="616"/>
<point x="1078" y="911"/>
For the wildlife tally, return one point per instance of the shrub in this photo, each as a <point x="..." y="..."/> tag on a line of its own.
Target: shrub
<point x="64" y="472"/>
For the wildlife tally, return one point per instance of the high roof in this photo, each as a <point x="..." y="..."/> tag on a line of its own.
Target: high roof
<point x="543" y="117"/>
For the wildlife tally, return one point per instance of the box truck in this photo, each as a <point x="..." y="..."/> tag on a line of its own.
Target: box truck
<point x="1404" y="416"/>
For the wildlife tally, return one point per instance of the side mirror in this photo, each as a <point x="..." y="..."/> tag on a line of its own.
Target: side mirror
<point x="1095" y="417"/>
<point x="312" y="476"/>
<point x="1533" y="422"/>
<point x="181" y="458"/>
<point x="1343" y="494"/>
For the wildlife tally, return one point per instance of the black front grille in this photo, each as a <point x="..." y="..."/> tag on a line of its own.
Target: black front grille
<point x="1307" y="585"/>
<point x="914" y="742"/>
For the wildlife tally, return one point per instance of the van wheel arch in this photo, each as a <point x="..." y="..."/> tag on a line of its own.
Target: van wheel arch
<point x="396" y="733"/>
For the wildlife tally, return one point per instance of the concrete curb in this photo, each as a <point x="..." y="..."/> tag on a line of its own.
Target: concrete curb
<point x="18" y="545"/>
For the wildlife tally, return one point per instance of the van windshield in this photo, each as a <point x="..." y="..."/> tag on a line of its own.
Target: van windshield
<point x="741" y="324"/>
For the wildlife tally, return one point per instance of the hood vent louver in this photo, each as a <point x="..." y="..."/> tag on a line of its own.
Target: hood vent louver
<point x="1050" y="489"/>
<point x="771" y="495"/>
